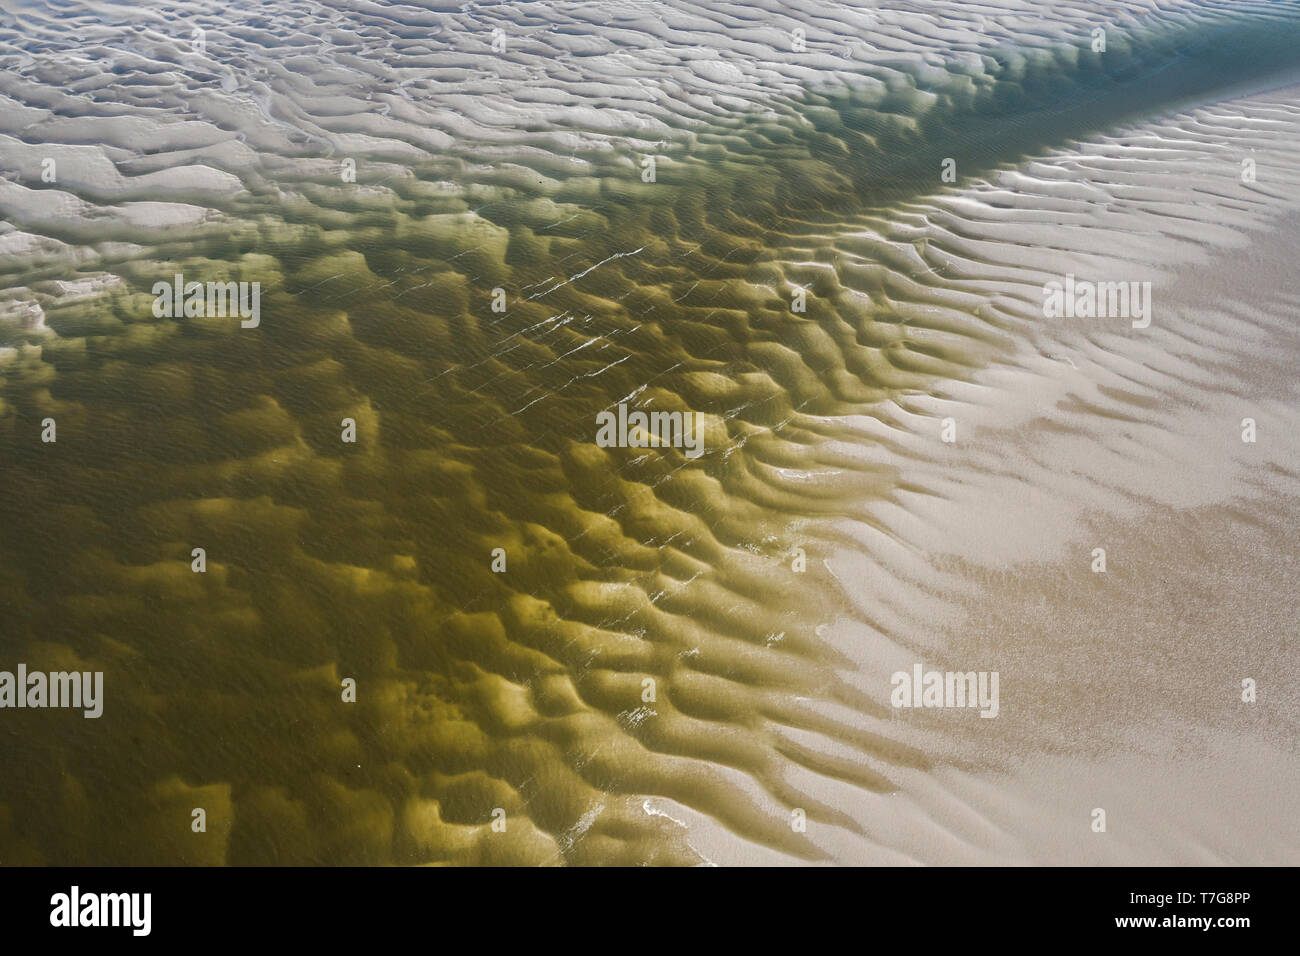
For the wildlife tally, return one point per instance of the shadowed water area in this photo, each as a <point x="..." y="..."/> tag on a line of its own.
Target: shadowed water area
<point x="525" y="689"/>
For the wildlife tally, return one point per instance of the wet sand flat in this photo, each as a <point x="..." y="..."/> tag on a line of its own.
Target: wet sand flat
<point x="439" y="618"/>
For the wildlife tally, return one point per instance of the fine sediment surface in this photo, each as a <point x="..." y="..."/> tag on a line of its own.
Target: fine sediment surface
<point x="828" y="536"/>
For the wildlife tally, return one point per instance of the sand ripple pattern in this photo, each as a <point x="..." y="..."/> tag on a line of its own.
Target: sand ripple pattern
<point x="519" y="169"/>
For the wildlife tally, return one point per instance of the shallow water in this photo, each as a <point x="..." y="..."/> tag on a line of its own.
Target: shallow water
<point x="525" y="690"/>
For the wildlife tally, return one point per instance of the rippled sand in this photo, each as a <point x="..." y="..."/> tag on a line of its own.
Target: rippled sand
<point x="776" y="170"/>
